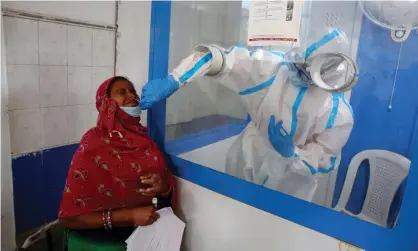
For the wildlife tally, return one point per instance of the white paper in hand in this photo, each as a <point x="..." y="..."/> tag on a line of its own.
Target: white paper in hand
<point x="164" y="235"/>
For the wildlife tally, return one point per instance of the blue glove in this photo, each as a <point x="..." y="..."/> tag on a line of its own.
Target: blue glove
<point x="280" y="139"/>
<point x="157" y="90"/>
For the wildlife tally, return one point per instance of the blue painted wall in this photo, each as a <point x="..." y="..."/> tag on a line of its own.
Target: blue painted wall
<point x="38" y="183"/>
<point x="376" y="127"/>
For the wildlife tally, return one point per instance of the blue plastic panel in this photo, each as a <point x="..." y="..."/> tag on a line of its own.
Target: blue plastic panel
<point x="38" y="184"/>
<point x="56" y="163"/>
<point x="30" y="200"/>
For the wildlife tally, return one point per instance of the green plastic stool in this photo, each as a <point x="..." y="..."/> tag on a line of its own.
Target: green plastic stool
<point x="74" y="242"/>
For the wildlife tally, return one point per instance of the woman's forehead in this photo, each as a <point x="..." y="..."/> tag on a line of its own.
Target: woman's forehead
<point x="122" y="84"/>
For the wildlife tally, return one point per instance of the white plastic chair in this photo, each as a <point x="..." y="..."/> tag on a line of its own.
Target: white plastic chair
<point x="387" y="172"/>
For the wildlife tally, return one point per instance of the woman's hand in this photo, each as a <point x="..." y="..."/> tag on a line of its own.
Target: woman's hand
<point x="158" y="185"/>
<point x="143" y="216"/>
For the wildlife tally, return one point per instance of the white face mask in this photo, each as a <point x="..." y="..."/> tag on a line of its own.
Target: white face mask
<point x="133" y="111"/>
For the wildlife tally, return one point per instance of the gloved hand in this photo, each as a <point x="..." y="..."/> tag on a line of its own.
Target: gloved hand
<point x="157" y="90"/>
<point x="280" y="139"/>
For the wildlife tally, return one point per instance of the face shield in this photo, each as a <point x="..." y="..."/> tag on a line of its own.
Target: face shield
<point x="323" y="64"/>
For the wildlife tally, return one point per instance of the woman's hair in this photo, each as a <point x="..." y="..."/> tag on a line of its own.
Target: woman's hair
<point x="114" y="80"/>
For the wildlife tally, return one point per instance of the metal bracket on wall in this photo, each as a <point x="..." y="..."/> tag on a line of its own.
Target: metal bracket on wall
<point x="117" y="35"/>
<point x="7" y="12"/>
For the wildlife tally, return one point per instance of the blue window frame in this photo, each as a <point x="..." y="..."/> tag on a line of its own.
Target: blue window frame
<point x="357" y="232"/>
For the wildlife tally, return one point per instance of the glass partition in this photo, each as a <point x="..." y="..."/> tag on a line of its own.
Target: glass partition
<point x="204" y="105"/>
<point x="349" y="151"/>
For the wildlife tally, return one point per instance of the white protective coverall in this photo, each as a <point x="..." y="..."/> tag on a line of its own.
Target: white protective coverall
<point x="319" y="121"/>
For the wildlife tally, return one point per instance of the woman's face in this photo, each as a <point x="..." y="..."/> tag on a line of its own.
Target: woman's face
<point x="123" y="92"/>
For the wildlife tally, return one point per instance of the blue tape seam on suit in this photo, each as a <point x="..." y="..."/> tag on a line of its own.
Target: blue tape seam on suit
<point x="195" y="68"/>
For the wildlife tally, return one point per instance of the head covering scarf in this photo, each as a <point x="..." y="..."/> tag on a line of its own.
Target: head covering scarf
<point x="106" y="167"/>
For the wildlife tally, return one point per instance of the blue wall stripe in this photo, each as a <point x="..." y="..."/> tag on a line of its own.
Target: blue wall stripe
<point x="295" y="108"/>
<point x="334" y="110"/>
<point x="258" y="87"/>
<point x="195" y="68"/>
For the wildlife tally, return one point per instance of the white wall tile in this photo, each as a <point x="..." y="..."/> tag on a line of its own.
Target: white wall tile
<point x="79" y="118"/>
<point x="94" y="115"/>
<point x="103" y="48"/>
<point x="91" y="11"/>
<point x="79" y="46"/>
<point x="99" y="75"/>
<point x="21" y="37"/>
<point x="79" y="85"/>
<point x="52" y="44"/>
<point x="25" y="130"/>
<point x="54" y="126"/>
<point x="23" y="84"/>
<point x="133" y="44"/>
<point x="53" y="85"/>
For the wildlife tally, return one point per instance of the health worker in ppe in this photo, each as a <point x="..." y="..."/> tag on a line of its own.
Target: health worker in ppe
<point x="300" y="119"/>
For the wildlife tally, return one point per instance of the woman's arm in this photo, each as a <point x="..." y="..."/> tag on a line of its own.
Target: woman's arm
<point x="119" y="218"/>
<point x="125" y="217"/>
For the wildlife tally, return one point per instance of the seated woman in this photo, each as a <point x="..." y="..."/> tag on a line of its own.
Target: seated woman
<point x="115" y="173"/>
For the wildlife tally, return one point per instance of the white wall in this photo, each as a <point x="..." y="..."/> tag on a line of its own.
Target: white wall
<point x="133" y="43"/>
<point x="53" y="73"/>
<point x="216" y="222"/>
